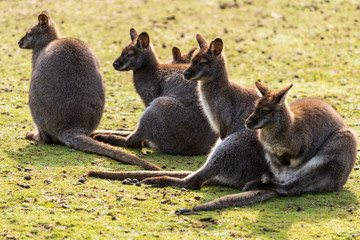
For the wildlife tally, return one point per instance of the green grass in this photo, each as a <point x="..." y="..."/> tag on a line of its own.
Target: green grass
<point x="313" y="44"/>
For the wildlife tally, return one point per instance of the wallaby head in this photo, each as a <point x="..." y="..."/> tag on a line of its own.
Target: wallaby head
<point x="137" y="54"/>
<point x="179" y="58"/>
<point x="41" y="33"/>
<point x="269" y="109"/>
<point x="205" y="64"/>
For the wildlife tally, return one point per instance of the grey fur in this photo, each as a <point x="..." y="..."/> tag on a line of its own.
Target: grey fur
<point x="307" y="143"/>
<point x="67" y="93"/>
<point x="173" y="121"/>
<point x="238" y="157"/>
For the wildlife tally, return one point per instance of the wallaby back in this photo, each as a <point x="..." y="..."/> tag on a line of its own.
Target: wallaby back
<point x="67" y="93"/>
<point x="173" y="121"/>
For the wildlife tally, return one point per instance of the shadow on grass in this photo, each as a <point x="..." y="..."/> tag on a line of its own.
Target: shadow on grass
<point x="57" y="155"/>
<point x="279" y="216"/>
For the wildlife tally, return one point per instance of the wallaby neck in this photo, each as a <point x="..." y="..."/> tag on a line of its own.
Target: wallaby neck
<point x="47" y="37"/>
<point x="283" y="130"/>
<point x="213" y="96"/>
<point x="148" y="82"/>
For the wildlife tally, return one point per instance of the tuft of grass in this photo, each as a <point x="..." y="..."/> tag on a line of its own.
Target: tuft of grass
<point x="313" y="44"/>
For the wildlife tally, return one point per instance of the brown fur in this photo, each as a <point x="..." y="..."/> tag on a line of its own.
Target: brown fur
<point x="307" y="143"/>
<point x="173" y="121"/>
<point x="179" y="58"/>
<point x="238" y="157"/>
<point x="67" y="93"/>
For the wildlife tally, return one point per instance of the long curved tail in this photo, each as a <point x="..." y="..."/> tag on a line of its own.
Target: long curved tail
<point x="87" y="144"/>
<point x="237" y="200"/>
<point x="139" y="175"/>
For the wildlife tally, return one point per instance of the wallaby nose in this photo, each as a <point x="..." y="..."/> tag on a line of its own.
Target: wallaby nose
<point x="187" y="75"/>
<point x="249" y="124"/>
<point x="115" y="65"/>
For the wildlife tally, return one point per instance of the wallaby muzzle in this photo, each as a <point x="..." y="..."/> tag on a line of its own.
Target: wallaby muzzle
<point x="250" y="123"/>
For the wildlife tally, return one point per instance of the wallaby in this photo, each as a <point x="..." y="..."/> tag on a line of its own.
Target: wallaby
<point x="179" y="58"/>
<point x="173" y="121"/>
<point x="67" y="93"/>
<point x="307" y="144"/>
<point x="235" y="159"/>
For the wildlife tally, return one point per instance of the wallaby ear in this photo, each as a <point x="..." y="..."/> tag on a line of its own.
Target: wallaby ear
<point x="216" y="46"/>
<point x="262" y="88"/>
<point x="201" y="41"/>
<point x="133" y="34"/>
<point x="176" y="53"/>
<point x="143" y="40"/>
<point x="190" y="53"/>
<point x="280" y="96"/>
<point x="44" y="19"/>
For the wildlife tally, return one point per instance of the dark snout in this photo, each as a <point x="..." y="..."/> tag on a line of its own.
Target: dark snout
<point x="187" y="75"/>
<point x="250" y="123"/>
<point x="116" y="65"/>
<point x="21" y="43"/>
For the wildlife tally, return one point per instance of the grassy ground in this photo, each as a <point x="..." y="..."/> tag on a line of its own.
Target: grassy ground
<point x="313" y="44"/>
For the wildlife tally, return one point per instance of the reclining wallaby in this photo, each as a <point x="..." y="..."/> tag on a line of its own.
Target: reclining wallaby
<point x="173" y="121"/>
<point x="67" y="93"/>
<point x="179" y="58"/>
<point x="238" y="157"/>
<point x="307" y="144"/>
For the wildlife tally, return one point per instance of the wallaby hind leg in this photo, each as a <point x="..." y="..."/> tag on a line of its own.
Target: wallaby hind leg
<point x="139" y="175"/>
<point x="236" y="200"/>
<point x="213" y="171"/>
<point x="87" y="144"/>
<point x="194" y="181"/>
<point x="133" y="140"/>
<point x="123" y="133"/>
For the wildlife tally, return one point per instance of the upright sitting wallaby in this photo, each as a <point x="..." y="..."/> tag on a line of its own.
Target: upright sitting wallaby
<point x="173" y="121"/>
<point x="235" y="159"/>
<point x="307" y="144"/>
<point x="179" y="58"/>
<point x="67" y="93"/>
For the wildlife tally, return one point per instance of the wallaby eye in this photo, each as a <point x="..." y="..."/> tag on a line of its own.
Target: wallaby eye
<point x="130" y="55"/>
<point x="29" y="34"/>
<point x="265" y="112"/>
<point x="202" y="64"/>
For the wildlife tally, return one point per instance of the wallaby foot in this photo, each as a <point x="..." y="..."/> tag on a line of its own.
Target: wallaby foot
<point x="166" y="181"/>
<point x="116" y="140"/>
<point x="139" y="175"/>
<point x="34" y="136"/>
<point x="39" y="137"/>
<point x="118" y="132"/>
<point x="236" y="200"/>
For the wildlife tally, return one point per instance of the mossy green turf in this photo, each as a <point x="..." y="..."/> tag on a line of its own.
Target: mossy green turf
<point x="313" y="44"/>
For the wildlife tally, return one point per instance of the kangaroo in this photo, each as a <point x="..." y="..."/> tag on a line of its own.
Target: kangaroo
<point x="238" y="157"/>
<point x="179" y="58"/>
<point x="173" y="121"/>
<point x="307" y="144"/>
<point x="67" y="93"/>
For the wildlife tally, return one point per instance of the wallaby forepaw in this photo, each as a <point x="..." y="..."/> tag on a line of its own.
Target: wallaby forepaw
<point x="250" y="186"/>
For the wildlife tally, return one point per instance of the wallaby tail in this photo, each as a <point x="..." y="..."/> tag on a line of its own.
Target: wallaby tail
<point x="87" y="144"/>
<point x="139" y="175"/>
<point x="237" y="200"/>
